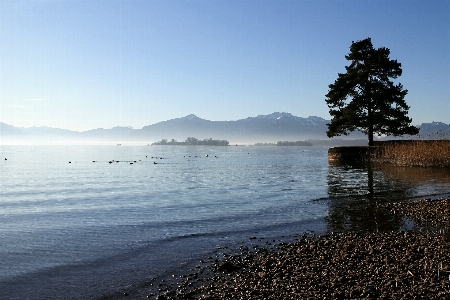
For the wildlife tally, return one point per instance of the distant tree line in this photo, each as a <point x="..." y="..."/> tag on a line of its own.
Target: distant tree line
<point x="264" y="144"/>
<point x="297" y="143"/>
<point x="191" y="141"/>
<point x="285" y="143"/>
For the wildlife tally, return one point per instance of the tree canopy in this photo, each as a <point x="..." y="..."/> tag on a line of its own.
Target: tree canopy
<point x="365" y="99"/>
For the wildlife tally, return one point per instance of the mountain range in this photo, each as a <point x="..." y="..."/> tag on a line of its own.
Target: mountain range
<point x="263" y="128"/>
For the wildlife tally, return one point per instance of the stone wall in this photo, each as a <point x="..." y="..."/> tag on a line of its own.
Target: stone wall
<point x="353" y="153"/>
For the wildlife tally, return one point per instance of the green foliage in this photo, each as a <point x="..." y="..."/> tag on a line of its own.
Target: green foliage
<point x="365" y="99"/>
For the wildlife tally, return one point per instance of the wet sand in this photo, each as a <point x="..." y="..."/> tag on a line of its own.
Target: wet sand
<point x="370" y="265"/>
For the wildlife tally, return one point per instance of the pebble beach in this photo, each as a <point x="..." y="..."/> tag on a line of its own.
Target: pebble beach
<point x="409" y="264"/>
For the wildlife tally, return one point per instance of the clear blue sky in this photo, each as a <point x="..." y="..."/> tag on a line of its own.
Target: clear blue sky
<point x="97" y="64"/>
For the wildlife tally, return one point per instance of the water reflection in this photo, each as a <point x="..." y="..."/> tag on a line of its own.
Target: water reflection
<point x="357" y="190"/>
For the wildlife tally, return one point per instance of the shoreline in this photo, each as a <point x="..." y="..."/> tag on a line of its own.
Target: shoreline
<point x="354" y="264"/>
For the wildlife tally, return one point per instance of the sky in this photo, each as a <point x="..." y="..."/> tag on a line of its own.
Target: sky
<point x="82" y="65"/>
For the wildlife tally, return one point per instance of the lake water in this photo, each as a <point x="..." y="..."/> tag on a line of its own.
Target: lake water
<point x="78" y="222"/>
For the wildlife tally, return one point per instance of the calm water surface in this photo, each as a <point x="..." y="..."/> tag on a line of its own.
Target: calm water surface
<point x="78" y="222"/>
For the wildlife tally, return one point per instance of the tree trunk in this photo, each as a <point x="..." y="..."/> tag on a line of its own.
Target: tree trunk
<point x="370" y="138"/>
<point x="370" y="125"/>
<point x="369" y="112"/>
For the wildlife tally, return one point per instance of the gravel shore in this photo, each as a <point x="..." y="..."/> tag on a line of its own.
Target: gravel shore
<point x="371" y="265"/>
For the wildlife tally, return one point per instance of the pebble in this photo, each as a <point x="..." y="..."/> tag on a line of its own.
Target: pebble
<point x="363" y="264"/>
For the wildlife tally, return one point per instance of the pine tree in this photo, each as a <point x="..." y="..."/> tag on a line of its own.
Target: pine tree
<point x="365" y="99"/>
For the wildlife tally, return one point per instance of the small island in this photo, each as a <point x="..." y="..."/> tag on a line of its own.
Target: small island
<point x="191" y="141"/>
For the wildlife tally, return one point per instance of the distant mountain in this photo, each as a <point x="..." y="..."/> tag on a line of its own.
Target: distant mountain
<point x="46" y="131"/>
<point x="437" y="130"/>
<point x="261" y="129"/>
<point x="113" y="134"/>
<point x="8" y="130"/>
